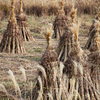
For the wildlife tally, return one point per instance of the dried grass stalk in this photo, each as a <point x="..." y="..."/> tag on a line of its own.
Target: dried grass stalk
<point x="17" y="89"/>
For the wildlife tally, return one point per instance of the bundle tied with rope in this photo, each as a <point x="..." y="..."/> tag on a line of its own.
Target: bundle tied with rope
<point x="23" y="24"/>
<point x="50" y="65"/>
<point x="12" y="41"/>
<point x="61" y="21"/>
<point x="66" y="42"/>
<point x="92" y="32"/>
<point x="94" y="59"/>
<point x="77" y="68"/>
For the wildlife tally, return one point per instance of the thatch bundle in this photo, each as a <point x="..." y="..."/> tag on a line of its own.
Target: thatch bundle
<point x="65" y="45"/>
<point x="78" y="68"/>
<point x="12" y="41"/>
<point x="94" y="30"/>
<point x="94" y="60"/>
<point x="61" y="21"/>
<point x="49" y="59"/>
<point x="66" y="41"/>
<point x="50" y="66"/>
<point x="23" y="25"/>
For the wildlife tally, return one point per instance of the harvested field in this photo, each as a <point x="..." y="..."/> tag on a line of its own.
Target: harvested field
<point x="40" y="50"/>
<point x="34" y="50"/>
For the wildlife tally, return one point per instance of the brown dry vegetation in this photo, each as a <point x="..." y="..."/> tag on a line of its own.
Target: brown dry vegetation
<point x="41" y="7"/>
<point x="35" y="49"/>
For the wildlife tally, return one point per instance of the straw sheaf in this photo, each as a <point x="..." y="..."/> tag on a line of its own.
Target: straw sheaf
<point x="96" y="45"/>
<point x="49" y="58"/>
<point x="61" y="22"/>
<point x="94" y="58"/>
<point x="49" y="55"/>
<point x="69" y="68"/>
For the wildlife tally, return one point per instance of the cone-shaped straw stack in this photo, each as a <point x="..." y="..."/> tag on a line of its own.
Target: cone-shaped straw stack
<point x="50" y="65"/>
<point x="49" y="56"/>
<point x="67" y="40"/>
<point x="93" y="33"/>
<point x="78" y="68"/>
<point x="94" y="59"/>
<point x="61" y="21"/>
<point x="12" y="41"/>
<point x="23" y="25"/>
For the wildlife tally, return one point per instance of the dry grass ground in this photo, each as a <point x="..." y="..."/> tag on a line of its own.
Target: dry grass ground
<point x="34" y="50"/>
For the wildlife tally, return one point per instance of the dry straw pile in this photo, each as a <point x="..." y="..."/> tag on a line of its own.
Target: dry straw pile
<point x="93" y="34"/>
<point x="47" y="82"/>
<point x="61" y="21"/>
<point x="12" y="41"/>
<point x="67" y="39"/>
<point x="23" y="25"/>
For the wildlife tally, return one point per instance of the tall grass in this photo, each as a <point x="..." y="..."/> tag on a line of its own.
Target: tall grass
<point x="18" y="89"/>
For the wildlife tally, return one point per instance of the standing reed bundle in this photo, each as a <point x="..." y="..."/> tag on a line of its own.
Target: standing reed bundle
<point x="48" y="80"/>
<point x="12" y="41"/>
<point x="94" y="59"/>
<point x="67" y="39"/>
<point x="77" y="68"/>
<point x="92" y="33"/>
<point x="23" y="25"/>
<point x="61" y="21"/>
